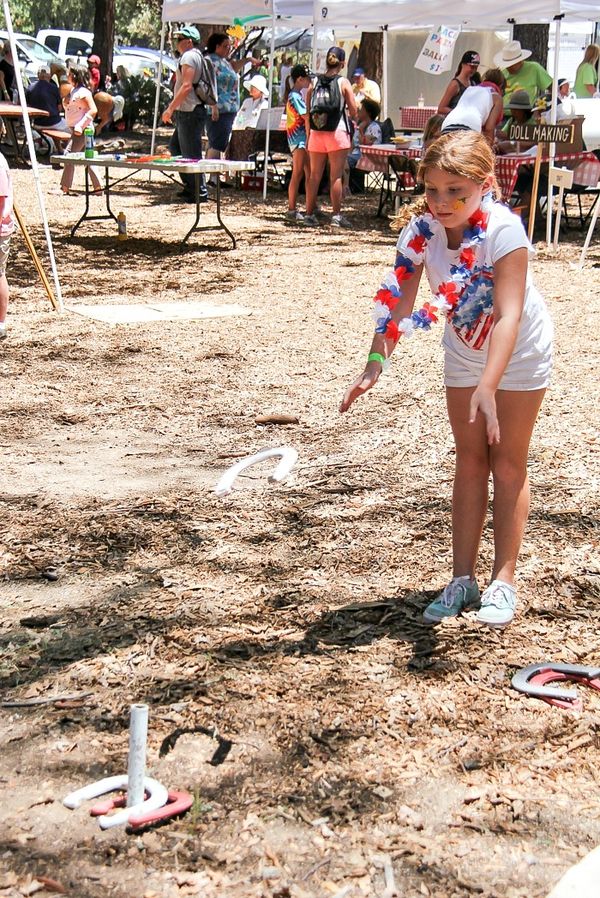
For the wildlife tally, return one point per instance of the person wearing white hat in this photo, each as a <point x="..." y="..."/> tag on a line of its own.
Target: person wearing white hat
<point x="250" y="109"/>
<point x="521" y="73"/>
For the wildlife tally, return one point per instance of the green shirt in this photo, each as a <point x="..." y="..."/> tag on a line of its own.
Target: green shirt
<point x="586" y="74"/>
<point x="531" y="77"/>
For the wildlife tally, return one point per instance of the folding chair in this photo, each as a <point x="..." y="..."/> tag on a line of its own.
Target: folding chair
<point x="401" y="176"/>
<point x="579" y="191"/>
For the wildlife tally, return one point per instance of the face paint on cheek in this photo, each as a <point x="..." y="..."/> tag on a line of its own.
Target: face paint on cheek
<point x="459" y="203"/>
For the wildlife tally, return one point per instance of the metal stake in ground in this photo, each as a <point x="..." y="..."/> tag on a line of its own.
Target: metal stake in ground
<point x="136" y="764"/>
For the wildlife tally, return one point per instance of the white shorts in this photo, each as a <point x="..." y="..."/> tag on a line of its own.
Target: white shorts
<point x="529" y="368"/>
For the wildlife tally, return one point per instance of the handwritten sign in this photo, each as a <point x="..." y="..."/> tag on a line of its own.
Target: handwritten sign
<point x="542" y="133"/>
<point x="436" y="55"/>
<point x="560" y="177"/>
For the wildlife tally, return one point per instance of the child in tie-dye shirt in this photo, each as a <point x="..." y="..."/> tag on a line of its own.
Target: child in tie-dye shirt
<point x="296" y="135"/>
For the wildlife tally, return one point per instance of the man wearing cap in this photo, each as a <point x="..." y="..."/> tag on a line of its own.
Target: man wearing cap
<point x="44" y="94"/>
<point x="364" y="88"/>
<point x="521" y="72"/>
<point x="189" y="111"/>
<point x="249" y="112"/>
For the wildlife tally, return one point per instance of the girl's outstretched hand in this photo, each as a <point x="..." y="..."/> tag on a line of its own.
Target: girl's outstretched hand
<point x="483" y="400"/>
<point x="363" y="382"/>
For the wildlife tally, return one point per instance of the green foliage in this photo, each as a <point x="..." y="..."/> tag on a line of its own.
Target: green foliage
<point x="139" y="93"/>
<point x="136" y="21"/>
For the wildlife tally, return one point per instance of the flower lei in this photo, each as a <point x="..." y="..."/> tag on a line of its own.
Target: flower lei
<point x="449" y="295"/>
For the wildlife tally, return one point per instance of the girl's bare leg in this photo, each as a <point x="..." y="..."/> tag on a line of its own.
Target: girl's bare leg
<point x="471" y="475"/>
<point x="337" y="164"/>
<point x="517" y="413"/>
<point x="298" y="169"/>
<point x="317" y="167"/>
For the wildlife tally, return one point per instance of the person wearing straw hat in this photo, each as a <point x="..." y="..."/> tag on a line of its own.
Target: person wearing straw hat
<point x="521" y="72"/>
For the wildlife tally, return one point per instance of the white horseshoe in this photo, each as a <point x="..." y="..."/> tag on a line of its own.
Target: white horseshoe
<point x="289" y="457"/>
<point x="158" y="797"/>
<point x="101" y="787"/>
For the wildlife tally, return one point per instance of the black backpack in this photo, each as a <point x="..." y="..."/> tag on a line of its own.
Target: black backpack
<point x="206" y="85"/>
<point x="326" y="104"/>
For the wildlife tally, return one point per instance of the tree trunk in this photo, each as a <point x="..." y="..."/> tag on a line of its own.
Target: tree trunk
<point x="370" y="55"/>
<point x="104" y="36"/>
<point x="534" y="38"/>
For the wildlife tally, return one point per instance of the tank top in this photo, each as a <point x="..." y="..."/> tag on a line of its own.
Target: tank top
<point x="461" y="89"/>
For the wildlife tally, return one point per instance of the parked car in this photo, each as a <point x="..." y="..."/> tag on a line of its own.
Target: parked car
<point x="67" y="44"/>
<point x="32" y="54"/>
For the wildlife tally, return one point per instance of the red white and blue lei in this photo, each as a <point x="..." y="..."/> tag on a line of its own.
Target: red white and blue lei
<point x="453" y="298"/>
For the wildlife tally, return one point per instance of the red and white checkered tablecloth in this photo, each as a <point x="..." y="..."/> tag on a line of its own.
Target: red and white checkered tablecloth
<point x="586" y="172"/>
<point x="374" y="157"/>
<point x="416" y="117"/>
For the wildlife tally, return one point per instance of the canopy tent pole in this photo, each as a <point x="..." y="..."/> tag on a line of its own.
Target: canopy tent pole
<point x="553" y="111"/>
<point x="268" y="131"/>
<point x="384" y="92"/>
<point x="32" y="156"/>
<point x="313" y="65"/>
<point x="157" y="96"/>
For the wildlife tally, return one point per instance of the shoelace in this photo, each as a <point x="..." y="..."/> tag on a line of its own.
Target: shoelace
<point x="450" y="593"/>
<point x="501" y="597"/>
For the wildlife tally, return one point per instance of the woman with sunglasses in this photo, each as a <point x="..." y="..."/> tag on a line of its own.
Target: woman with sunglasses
<point x="463" y="78"/>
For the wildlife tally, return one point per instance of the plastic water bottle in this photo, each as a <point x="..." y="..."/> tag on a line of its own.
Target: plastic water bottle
<point x="421" y="101"/>
<point x="122" y="225"/>
<point x="88" y="136"/>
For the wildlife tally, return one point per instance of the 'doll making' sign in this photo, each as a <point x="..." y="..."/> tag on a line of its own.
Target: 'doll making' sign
<point x="542" y="133"/>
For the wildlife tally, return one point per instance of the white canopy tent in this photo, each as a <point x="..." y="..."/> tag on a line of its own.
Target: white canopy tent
<point x="32" y="156"/>
<point x="385" y="15"/>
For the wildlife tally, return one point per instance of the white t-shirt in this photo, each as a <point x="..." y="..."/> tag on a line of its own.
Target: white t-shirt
<point x="466" y="338"/>
<point x="249" y="113"/>
<point x="472" y="110"/>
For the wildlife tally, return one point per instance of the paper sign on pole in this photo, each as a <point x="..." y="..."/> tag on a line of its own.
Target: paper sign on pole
<point x="436" y="55"/>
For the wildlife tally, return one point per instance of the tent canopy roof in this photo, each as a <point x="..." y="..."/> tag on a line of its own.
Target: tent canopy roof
<point x="370" y="15"/>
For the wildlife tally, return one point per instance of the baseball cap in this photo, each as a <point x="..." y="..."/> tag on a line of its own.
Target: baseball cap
<point x="338" y="52"/>
<point x="471" y="57"/>
<point x="95" y="60"/>
<point x="43" y="70"/>
<point x="358" y="72"/>
<point x="187" y="31"/>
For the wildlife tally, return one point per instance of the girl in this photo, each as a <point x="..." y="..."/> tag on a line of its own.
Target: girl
<point x="295" y="111"/>
<point x="498" y="354"/>
<point x="586" y="77"/>
<point x="80" y="111"/>
<point x="480" y="108"/>
<point x="463" y="78"/>
<point x="330" y="146"/>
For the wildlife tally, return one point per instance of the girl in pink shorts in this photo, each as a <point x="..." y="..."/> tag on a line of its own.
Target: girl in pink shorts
<point x="329" y="140"/>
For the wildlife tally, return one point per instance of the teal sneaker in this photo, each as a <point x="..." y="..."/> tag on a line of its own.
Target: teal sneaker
<point x="461" y="594"/>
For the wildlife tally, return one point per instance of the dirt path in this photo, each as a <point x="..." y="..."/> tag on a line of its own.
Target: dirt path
<point x="286" y="618"/>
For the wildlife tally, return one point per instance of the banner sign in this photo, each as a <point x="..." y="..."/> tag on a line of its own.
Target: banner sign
<point x="436" y="55"/>
<point x="542" y="133"/>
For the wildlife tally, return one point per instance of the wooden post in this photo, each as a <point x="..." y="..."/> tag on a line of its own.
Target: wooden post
<point x="534" y="189"/>
<point x="36" y="260"/>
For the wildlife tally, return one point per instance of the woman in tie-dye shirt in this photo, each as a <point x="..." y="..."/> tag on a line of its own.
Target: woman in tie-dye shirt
<point x="296" y="134"/>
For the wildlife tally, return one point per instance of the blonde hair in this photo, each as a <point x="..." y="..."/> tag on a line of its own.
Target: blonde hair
<point x="466" y="154"/>
<point x="591" y="54"/>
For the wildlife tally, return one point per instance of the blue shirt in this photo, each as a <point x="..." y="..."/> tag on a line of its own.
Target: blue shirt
<point x="228" y="84"/>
